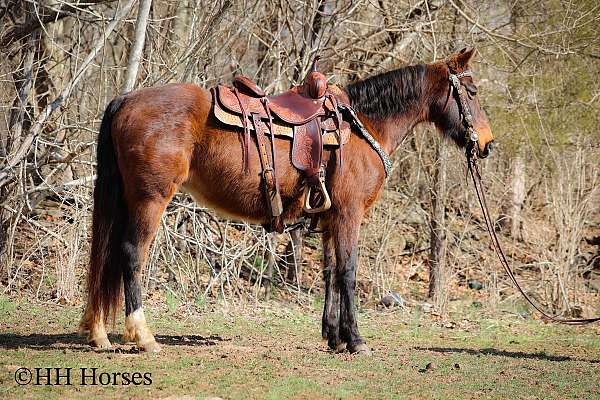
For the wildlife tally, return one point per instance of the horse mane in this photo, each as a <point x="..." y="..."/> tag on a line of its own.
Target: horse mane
<point x="389" y="93"/>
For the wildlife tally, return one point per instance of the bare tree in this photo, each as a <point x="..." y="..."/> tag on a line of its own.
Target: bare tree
<point x="438" y="267"/>
<point x="135" y="54"/>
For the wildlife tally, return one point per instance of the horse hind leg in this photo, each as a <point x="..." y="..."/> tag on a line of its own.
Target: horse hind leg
<point x="141" y="228"/>
<point x="94" y="326"/>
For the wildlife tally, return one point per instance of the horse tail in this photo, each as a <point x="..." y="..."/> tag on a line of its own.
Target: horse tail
<point x="105" y="275"/>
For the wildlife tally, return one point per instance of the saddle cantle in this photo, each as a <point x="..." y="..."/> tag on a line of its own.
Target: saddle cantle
<point x="307" y="114"/>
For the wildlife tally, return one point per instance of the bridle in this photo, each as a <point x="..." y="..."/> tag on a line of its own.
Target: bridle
<point x="464" y="109"/>
<point x="471" y="154"/>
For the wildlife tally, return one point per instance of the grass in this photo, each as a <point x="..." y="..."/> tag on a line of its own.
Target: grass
<point x="275" y="352"/>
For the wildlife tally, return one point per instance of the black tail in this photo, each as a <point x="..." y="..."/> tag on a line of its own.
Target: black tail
<point x="105" y="275"/>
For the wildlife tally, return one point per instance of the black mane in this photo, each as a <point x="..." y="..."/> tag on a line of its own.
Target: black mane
<point x="387" y="94"/>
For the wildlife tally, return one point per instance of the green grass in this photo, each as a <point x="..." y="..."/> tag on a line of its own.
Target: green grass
<point x="275" y="352"/>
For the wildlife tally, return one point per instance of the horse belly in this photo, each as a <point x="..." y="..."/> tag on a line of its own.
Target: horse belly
<point x="225" y="210"/>
<point x="217" y="179"/>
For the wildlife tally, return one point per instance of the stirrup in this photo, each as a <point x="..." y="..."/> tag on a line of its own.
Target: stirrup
<point x="326" y="200"/>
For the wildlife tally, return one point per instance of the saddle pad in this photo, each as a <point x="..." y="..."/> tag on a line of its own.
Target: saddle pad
<point x="330" y="138"/>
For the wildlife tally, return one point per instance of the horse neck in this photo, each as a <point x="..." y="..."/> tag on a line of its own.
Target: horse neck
<point x="391" y="132"/>
<point x="403" y="103"/>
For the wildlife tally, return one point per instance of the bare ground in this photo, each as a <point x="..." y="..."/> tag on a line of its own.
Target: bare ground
<point x="275" y="351"/>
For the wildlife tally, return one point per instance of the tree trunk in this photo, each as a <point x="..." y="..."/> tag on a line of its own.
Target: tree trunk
<point x="135" y="55"/>
<point x="19" y="122"/>
<point x="178" y="35"/>
<point x="438" y="270"/>
<point x="20" y="119"/>
<point x="518" y="196"/>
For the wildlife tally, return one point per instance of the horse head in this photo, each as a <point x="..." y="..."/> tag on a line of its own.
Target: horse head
<point x="455" y="109"/>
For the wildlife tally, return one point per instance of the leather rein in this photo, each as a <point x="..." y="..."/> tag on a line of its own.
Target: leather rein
<point x="471" y="154"/>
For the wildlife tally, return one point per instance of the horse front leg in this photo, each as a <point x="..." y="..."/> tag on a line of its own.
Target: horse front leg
<point x="346" y="232"/>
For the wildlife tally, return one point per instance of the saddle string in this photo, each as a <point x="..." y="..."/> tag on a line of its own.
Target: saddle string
<point x="265" y="102"/>
<point x="473" y="169"/>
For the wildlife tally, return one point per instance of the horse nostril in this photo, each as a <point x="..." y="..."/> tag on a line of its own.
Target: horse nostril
<point x="487" y="149"/>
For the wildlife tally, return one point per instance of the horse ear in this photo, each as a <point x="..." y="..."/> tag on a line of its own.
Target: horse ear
<point x="465" y="57"/>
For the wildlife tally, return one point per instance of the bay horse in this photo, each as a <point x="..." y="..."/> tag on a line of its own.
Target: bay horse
<point x="155" y="141"/>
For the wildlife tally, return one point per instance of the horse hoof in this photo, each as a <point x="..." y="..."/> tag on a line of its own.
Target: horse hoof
<point x="100" y="343"/>
<point x="360" y="349"/>
<point x="150" y="347"/>
<point x="340" y="348"/>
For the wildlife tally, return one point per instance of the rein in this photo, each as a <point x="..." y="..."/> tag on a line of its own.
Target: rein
<point x="471" y="155"/>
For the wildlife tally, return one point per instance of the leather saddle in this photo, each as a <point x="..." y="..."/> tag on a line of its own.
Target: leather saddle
<point x="307" y="114"/>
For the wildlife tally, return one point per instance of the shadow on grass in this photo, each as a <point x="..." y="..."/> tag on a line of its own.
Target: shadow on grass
<point x="77" y="342"/>
<point x="504" y="353"/>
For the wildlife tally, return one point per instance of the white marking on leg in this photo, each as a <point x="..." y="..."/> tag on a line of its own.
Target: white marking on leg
<point x="97" y="332"/>
<point x="137" y="328"/>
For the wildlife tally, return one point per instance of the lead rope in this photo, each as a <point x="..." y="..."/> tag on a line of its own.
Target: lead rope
<point x="477" y="182"/>
<point x="471" y="153"/>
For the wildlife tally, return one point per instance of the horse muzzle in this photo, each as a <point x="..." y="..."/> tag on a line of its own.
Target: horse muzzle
<point x="489" y="146"/>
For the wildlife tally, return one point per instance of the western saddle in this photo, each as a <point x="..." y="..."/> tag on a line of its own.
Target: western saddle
<point x="308" y="114"/>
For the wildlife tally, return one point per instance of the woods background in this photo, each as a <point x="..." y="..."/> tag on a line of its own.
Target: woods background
<point x="537" y="70"/>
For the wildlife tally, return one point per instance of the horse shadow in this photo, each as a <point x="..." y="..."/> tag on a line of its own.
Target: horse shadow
<point x="78" y="342"/>
<point x="505" y="353"/>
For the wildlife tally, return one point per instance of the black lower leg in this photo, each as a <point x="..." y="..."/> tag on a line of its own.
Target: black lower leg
<point x="349" y="325"/>
<point x="345" y="335"/>
<point x="131" y="277"/>
<point x="346" y="249"/>
<point x="330" y="320"/>
<point x="324" y="320"/>
<point x="333" y="317"/>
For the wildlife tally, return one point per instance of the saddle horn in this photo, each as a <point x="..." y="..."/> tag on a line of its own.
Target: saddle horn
<point x="315" y="83"/>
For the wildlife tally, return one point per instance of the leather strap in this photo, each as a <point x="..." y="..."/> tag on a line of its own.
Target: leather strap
<point x="246" y="137"/>
<point x="268" y="173"/>
<point x="265" y="103"/>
